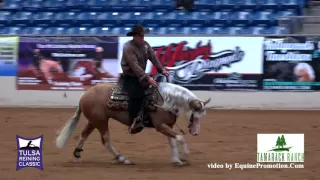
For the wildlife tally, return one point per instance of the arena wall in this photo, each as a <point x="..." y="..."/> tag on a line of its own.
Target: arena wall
<point x="10" y="97"/>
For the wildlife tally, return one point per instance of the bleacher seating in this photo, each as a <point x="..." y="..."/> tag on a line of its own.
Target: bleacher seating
<point x="117" y="16"/>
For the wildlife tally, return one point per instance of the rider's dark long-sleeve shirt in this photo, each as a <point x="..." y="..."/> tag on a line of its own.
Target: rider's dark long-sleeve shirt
<point x="134" y="60"/>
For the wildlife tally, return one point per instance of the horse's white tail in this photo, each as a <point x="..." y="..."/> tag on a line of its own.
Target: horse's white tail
<point x="68" y="128"/>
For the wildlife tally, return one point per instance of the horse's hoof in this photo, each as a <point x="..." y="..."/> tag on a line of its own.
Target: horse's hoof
<point x="184" y="158"/>
<point x="187" y="162"/>
<point x="127" y="162"/>
<point x="77" y="153"/>
<point x="179" y="163"/>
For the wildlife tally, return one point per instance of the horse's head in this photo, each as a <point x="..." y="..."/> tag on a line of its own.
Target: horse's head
<point x="197" y="111"/>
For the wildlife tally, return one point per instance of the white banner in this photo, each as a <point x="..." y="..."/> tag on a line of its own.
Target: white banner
<point x="241" y="55"/>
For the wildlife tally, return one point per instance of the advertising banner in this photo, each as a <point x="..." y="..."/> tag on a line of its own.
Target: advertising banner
<point x="8" y="56"/>
<point x="66" y="63"/>
<point x="291" y="64"/>
<point x="208" y="63"/>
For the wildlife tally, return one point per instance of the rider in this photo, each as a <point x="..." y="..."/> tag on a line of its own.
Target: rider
<point x="134" y="60"/>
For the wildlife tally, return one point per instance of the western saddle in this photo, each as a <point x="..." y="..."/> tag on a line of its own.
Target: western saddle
<point x="118" y="99"/>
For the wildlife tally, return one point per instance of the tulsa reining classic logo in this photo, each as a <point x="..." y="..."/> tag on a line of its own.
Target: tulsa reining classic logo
<point x="29" y="152"/>
<point x="280" y="148"/>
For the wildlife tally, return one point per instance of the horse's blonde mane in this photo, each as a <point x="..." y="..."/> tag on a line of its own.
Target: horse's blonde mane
<point x="176" y="98"/>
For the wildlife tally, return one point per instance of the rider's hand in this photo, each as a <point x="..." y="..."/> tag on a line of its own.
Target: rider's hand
<point x="152" y="82"/>
<point x="165" y="73"/>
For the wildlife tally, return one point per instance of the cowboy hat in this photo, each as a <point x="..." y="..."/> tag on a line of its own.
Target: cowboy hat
<point x="138" y="29"/>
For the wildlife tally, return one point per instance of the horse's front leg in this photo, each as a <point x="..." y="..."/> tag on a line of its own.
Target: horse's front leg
<point x="175" y="151"/>
<point x="160" y="119"/>
<point x="173" y="138"/>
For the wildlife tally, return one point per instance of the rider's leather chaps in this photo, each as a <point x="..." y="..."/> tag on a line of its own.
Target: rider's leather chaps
<point x="136" y="95"/>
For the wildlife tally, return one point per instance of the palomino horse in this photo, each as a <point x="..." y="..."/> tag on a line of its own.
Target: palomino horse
<point x="96" y="106"/>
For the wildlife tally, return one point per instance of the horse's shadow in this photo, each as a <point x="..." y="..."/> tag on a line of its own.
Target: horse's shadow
<point x="115" y="164"/>
<point x="87" y="164"/>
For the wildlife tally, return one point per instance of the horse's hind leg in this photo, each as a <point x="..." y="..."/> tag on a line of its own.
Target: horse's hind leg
<point x="107" y="143"/>
<point x="84" y="136"/>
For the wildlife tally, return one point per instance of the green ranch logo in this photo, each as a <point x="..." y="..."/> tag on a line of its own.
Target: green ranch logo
<point x="280" y="148"/>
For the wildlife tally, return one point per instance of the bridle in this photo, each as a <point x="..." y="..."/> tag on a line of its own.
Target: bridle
<point x="191" y="121"/>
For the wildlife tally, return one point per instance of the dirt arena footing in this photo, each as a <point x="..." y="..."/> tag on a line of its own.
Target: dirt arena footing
<point x="227" y="136"/>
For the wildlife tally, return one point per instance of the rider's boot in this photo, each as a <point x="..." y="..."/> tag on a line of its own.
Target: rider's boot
<point x="137" y="125"/>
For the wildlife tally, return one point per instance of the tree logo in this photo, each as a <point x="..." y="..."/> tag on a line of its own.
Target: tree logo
<point x="280" y="145"/>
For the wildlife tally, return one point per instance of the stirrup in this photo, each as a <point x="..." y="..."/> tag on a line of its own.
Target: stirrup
<point x="135" y="122"/>
<point x="133" y="130"/>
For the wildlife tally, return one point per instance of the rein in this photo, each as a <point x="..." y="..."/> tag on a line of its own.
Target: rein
<point x="190" y="124"/>
<point x="167" y="80"/>
<point x="180" y="129"/>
